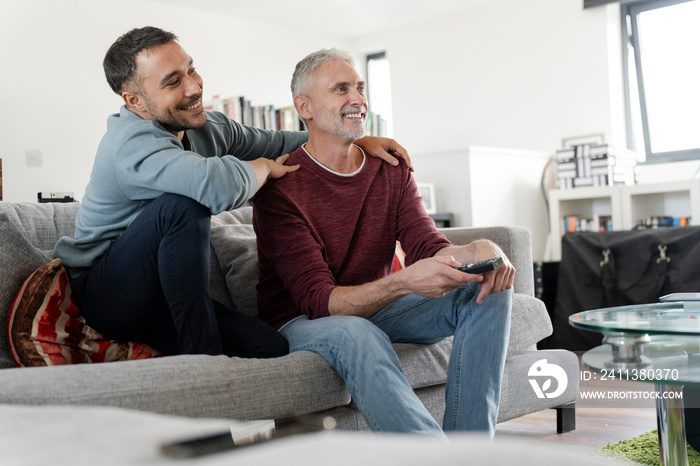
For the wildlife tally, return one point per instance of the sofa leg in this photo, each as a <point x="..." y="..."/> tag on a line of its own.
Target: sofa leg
<point x="566" y="417"/>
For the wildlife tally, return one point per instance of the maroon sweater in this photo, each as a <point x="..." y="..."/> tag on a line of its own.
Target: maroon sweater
<point x="317" y="230"/>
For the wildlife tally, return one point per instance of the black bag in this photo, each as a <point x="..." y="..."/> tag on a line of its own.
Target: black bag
<point x="620" y="268"/>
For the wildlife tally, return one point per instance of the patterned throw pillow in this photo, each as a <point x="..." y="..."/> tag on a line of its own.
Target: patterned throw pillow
<point x="44" y="327"/>
<point x="399" y="258"/>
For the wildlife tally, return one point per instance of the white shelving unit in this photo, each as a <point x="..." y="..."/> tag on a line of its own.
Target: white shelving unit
<point x="626" y="205"/>
<point x="676" y="199"/>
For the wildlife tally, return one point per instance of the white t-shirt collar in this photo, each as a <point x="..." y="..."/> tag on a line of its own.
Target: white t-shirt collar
<point x="364" y="157"/>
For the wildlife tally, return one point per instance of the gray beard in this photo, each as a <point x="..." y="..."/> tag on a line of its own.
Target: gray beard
<point x="329" y="124"/>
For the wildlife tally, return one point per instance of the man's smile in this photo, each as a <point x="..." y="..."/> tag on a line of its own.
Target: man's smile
<point x="355" y="113"/>
<point x="194" y="106"/>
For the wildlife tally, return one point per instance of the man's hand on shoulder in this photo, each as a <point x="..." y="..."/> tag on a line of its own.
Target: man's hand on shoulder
<point x="385" y="149"/>
<point x="266" y="169"/>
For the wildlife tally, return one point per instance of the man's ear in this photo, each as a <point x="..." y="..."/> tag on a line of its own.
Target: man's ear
<point x="134" y="102"/>
<point x="303" y="106"/>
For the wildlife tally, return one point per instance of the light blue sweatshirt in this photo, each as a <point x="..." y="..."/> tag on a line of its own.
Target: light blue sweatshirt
<point x="138" y="160"/>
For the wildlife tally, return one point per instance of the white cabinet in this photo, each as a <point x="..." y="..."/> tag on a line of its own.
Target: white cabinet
<point x="489" y="186"/>
<point x="625" y="204"/>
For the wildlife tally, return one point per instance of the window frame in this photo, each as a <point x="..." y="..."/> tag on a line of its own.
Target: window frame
<point x="387" y="117"/>
<point x="630" y="36"/>
<point x="370" y="57"/>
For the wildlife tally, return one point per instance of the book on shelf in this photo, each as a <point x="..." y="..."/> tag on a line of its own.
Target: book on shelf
<point x="233" y="108"/>
<point x="261" y="116"/>
<point x="246" y="112"/>
<point x="258" y="120"/>
<point x="215" y="104"/>
<point x="288" y="119"/>
<point x="573" y="223"/>
<point x="661" y="221"/>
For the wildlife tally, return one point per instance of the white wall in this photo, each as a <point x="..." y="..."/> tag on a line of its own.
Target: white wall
<point x="56" y="100"/>
<point x="520" y="75"/>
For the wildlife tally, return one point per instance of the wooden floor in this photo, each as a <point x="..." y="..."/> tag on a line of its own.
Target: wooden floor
<point x="595" y="426"/>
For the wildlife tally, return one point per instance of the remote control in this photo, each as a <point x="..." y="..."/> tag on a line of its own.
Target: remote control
<point x="482" y="266"/>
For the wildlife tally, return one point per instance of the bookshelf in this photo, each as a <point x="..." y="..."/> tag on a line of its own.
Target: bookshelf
<point x="261" y="116"/>
<point x="626" y="205"/>
<point x="677" y="199"/>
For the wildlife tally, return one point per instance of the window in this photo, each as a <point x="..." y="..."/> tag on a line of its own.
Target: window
<point x="379" y="91"/>
<point x="661" y="44"/>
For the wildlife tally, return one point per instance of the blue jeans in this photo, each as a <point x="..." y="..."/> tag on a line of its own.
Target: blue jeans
<point x="360" y="350"/>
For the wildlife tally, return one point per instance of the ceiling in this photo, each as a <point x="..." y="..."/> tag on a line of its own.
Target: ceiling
<point x="340" y="18"/>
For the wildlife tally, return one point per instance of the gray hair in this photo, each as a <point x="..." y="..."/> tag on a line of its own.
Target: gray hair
<point x="309" y="64"/>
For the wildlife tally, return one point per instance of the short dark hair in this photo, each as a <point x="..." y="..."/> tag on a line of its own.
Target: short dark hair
<point x="120" y="61"/>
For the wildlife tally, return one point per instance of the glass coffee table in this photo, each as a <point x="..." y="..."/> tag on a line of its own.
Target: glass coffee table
<point x="656" y="343"/>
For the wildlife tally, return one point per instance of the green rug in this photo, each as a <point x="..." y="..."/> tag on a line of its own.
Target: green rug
<point x="642" y="449"/>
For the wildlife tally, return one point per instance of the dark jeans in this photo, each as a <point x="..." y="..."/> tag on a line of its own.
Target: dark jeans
<point x="152" y="286"/>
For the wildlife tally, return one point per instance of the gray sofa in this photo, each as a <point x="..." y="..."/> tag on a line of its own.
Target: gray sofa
<point x="244" y="389"/>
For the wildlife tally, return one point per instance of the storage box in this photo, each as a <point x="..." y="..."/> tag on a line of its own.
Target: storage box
<point x="594" y="165"/>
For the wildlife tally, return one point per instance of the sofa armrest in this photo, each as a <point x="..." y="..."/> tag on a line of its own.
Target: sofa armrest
<point x="529" y="324"/>
<point x="516" y="243"/>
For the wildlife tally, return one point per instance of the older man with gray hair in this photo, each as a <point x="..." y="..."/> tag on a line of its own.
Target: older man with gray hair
<point x="326" y="241"/>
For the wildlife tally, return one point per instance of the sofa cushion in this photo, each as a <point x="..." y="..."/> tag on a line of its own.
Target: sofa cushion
<point x="46" y="329"/>
<point x="18" y="259"/>
<point x="42" y="224"/>
<point x="233" y="242"/>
